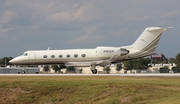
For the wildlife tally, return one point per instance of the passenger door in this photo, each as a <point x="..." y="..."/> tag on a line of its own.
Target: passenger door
<point x="32" y="56"/>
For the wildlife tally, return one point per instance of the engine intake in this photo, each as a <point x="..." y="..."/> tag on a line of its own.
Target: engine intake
<point x="123" y="51"/>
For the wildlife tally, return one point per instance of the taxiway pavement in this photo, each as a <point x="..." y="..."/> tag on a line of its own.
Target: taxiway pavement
<point x="121" y="75"/>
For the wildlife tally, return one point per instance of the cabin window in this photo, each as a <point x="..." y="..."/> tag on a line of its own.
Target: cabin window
<point x="83" y="55"/>
<point x="75" y="55"/>
<point x="45" y="56"/>
<point x="52" y="56"/>
<point x="67" y="55"/>
<point x="60" y="56"/>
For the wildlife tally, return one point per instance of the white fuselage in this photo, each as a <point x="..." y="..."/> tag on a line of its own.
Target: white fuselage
<point x="145" y="45"/>
<point x="71" y="55"/>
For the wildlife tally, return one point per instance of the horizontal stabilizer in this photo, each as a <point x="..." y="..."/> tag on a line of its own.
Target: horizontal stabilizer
<point x="156" y="29"/>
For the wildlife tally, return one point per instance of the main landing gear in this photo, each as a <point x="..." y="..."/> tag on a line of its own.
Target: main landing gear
<point x="23" y="72"/>
<point x="94" y="71"/>
<point x="93" y="66"/>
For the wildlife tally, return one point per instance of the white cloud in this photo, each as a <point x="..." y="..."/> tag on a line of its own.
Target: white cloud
<point x="90" y="30"/>
<point x="84" y="13"/>
<point x="137" y="16"/>
<point x="3" y="33"/>
<point x="60" y="16"/>
<point x="89" y="37"/>
<point x="5" y="30"/>
<point x="7" y="16"/>
<point x="84" y="39"/>
<point x="147" y="17"/>
<point x="119" y="32"/>
<point x="172" y="13"/>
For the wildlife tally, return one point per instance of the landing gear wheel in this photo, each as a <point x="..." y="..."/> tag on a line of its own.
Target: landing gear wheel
<point x="94" y="71"/>
<point x="23" y="72"/>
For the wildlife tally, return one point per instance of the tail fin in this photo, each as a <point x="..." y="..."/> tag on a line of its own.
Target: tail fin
<point x="148" y="40"/>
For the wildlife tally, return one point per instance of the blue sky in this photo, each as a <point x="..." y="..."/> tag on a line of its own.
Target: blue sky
<point x="63" y="24"/>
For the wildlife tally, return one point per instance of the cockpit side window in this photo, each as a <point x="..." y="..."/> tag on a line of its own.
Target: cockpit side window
<point x="25" y="54"/>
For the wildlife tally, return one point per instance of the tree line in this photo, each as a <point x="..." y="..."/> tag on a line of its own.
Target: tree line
<point x="5" y="61"/>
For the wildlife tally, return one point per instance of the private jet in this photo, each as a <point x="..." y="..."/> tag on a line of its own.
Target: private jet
<point x="144" y="46"/>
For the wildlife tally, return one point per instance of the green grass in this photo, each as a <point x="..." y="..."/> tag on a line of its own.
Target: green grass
<point x="89" y="90"/>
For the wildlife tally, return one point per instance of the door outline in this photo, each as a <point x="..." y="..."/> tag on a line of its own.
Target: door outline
<point x="32" y="56"/>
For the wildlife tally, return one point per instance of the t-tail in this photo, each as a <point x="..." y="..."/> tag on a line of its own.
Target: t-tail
<point x="147" y="42"/>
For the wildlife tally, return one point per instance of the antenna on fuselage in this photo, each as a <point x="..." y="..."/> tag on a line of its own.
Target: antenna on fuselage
<point x="48" y="48"/>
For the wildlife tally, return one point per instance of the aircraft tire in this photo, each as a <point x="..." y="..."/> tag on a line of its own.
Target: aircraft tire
<point x="23" y="72"/>
<point x="94" y="71"/>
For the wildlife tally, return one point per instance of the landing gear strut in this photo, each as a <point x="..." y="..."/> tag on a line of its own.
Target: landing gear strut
<point x="93" y="68"/>
<point x="94" y="71"/>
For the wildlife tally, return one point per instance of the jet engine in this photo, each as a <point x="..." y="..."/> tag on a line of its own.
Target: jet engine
<point x="123" y="51"/>
<point x="109" y="51"/>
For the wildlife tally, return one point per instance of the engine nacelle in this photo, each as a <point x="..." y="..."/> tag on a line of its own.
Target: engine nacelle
<point x="123" y="51"/>
<point x="109" y="51"/>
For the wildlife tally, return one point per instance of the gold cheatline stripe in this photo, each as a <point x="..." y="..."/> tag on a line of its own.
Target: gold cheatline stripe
<point x="155" y="41"/>
<point x="152" y="45"/>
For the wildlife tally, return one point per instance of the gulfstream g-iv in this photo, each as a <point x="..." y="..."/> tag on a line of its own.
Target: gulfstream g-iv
<point x="145" y="45"/>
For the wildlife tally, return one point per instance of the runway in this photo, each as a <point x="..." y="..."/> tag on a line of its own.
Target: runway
<point x="120" y="75"/>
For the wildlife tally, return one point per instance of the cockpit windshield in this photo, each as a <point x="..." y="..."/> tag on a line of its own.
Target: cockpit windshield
<point x="25" y="54"/>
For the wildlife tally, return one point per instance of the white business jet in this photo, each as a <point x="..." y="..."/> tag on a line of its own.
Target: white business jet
<point x="145" y="45"/>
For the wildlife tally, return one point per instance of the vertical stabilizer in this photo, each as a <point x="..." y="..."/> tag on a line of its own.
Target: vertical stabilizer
<point x="148" y="40"/>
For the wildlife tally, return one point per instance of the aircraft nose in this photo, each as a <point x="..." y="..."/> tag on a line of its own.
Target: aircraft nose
<point x="12" y="61"/>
